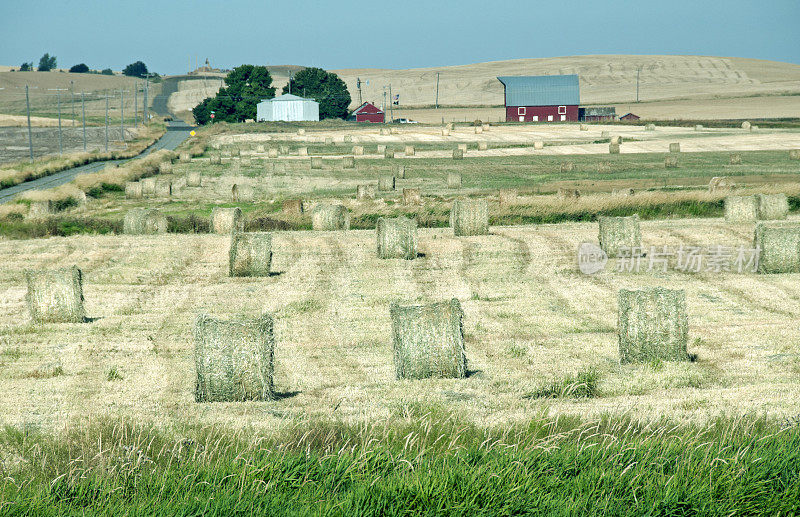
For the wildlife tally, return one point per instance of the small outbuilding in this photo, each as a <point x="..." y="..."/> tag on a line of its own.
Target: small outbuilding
<point x="368" y="112"/>
<point x="630" y="117"/>
<point x="598" y="114"/>
<point x="287" y="108"/>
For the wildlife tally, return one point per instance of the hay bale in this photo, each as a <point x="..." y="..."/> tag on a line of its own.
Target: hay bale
<point x="698" y="127"/>
<point x="358" y="150"/>
<point x="584" y="127"/>
<point x="283" y="149"/>
<point x="453" y="180"/>
<point x="386" y="182"/>
<point x="316" y="162"/>
<point x="449" y="126"/>
<point x="226" y="220"/>
<point x="718" y="183"/>
<point x="675" y="147"/>
<point x="463" y="148"/>
<point x="301" y="131"/>
<point x="260" y="148"/>
<point x="741" y="209"/>
<point x="538" y="145"/>
<point x="148" y="187"/>
<point x="236" y="152"/>
<point x="772" y="206"/>
<point x="623" y="192"/>
<point x="193" y="179"/>
<point x="478" y="130"/>
<point x="381" y="149"/>
<point x="670" y="162"/>
<point x="794" y="154"/>
<point x="144" y="221"/>
<point x="272" y="153"/>
<point x="445" y="131"/>
<point x="409" y="151"/>
<point x="753" y="128"/>
<point x="163" y="189"/>
<point x="216" y="146"/>
<point x="165" y="168"/>
<point x="616" y="139"/>
<point x="385" y="131"/>
<point x="568" y="193"/>
<point x="616" y="233"/>
<point x="185" y="157"/>
<point x="41" y="209"/>
<point x="293" y="206"/>
<point x="483" y="146"/>
<point x="302" y="151"/>
<point x="746" y="125"/>
<point x="780" y="247"/>
<point x="604" y="134"/>
<point x="399" y="171"/>
<point x="133" y="190"/>
<point x="469" y="217"/>
<point x="234" y="359"/>
<point x="348" y="162"/>
<point x="347" y="139"/>
<point x="507" y="196"/>
<point x="567" y="167"/>
<point x="613" y="148"/>
<point x="458" y="154"/>
<point x="428" y="340"/>
<point x="652" y="325"/>
<point x="327" y="217"/>
<point x="412" y="196"/>
<point x="388" y="154"/>
<point x="486" y="127"/>
<point x="365" y="192"/>
<point x="650" y="127"/>
<point x="240" y="192"/>
<point x="735" y="159"/>
<point x="215" y="159"/>
<point x="328" y="140"/>
<point x="250" y="254"/>
<point x="55" y="295"/>
<point x="396" y="238"/>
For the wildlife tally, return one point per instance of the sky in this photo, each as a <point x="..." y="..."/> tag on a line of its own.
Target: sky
<point x="166" y="34"/>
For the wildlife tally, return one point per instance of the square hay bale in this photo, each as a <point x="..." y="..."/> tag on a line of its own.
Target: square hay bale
<point x="772" y="206"/>
<point x="165" y="168"/>
<point x="409" y="151"/>
<point x="215" y="159"/>
<point x="538" y="145"/>
<point x="366" y="192"/>
<point x="463" y="148"/>
<point x="328" y="140"/>
<point x="185" y="157"/>
<point x="358" y="150"/>
<point x="293" y="206"/>
<point x="302" y="151"/>
<point x="226" y="220"/>
<point x="780" y="247"/>
<point x="483" y="146"/>
<point x="163" y="188"/>
<point x="148" y="187"/>
<point x="316" y="162"/>
<point x="273" y="152"/>
<point x="144" y="221"/>
<point x="412" y="196"/>
<point x="399" y="170"/>
<point x="301" y="131"/>
<point x="386" y="182"/>
<point x="445" y="131"/>
<point x="396" y="238"/>
<point x="193" y="179"/>
<point x="568" y="193"/>
<point x="616" y="139"/>
<point x="486" y="127"/>
<point x="650" y="127"/>
<point x="381" y="149"/>
<point x="385" y="131"/>
<point x="236" y="152"/>
<point x="260" y="148"/>
<point x="250" y="254"/>
<point x="567" y="167"/>
<point x="133" y="190"/>
<point x="478" y="130"/>
<point x="241" y="192"/>
<point x="719" y="183"/>
<point x="584" y="127"/>
<point x="428" y="340"/>
<point x="675" y="147"/>
<point x="616" y="233"/>
<point x="746" y="125"/>
<point x="388" y="154"/>
<point x="698" y="127"/>
<point x="507" y="196"/>
<point x="449" y="126"/>
<point x="348" y="162"/>
<point x="605" y="134"/>
<point x="794" y="154"/>
<point x="458" y="154"/>
<point x="55" y="295"/>
<point x="469" y="217"/>
<point x="741" y="209"/>
<point x="347" y="139"/>
<point x="735" y="159"/>
<point x="41" y="209"/>
<point x="753" y="128"/>
<point x="652" y="325"/>
<point x="613" y="148"/>
<point x="670" y="162"/>
<point x="234" y="359"/>
<point x="623" y="192"/>
<point x="327" y="217"/>
<point x="453" y="180"/>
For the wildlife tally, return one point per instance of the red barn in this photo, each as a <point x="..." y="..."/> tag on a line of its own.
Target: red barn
<point x="367" y="112"/>
<point x="629" y="117"/>
<point x="541" y="98"/>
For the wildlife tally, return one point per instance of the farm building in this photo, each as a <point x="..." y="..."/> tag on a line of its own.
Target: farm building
<point x="368" y="112"/>
<point x="597" y="114"/>
<point x="629" y="117"/>
<point x="541" y="98"/>
<point x="289" y="108"/>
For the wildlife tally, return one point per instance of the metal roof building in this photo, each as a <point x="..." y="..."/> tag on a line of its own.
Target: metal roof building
<point x="541" y="98"/>
<point x="288" y="108"/>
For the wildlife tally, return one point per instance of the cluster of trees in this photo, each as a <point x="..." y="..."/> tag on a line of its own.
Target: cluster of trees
<point x="48" y="62"/>
<point x="247" y="85"/>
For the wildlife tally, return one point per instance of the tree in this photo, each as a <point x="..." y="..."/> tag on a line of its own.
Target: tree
<point x="245" y="86"/>
<point x="79" y="69"/>
<point x="47" y="63"/>
<point x="107" y="71"/>
<point x="137" y="69"/>
<point x="26" y="67"/>
<point x="324" y="87"/>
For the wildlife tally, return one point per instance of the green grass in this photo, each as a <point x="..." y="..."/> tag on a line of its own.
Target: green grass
<point x="430" y="465"/>
<point x="582" y="385"/>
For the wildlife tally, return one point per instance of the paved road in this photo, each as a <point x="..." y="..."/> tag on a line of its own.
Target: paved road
<point x="177" y="132"/>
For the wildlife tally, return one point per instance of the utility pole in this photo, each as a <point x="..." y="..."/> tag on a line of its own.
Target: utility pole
<point x="638" y="70"/>
<point x="122" y="114"/>
<point x="72" y="100"/>
<point x="60" y="139"/>
<point x="144" y="107"/>
<point x="83" y="109"/>
<point x="391" y="102"/>
<point x="106" y="122"/>
<point x="437" y="90"/>
<point x="135" y="105"/>
<point x="358" y="86"/>
<point x="30" y="136"/>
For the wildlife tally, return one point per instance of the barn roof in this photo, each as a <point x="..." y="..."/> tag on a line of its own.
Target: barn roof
<point x="374" y="109"/>
<point x="288" y="97"/>
<point x="541" y="90"/>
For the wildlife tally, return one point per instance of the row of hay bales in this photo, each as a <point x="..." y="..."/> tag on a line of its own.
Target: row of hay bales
<point x="756" y="207"/>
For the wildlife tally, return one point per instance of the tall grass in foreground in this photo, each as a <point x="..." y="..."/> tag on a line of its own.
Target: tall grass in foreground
<point x="423" y="464"/>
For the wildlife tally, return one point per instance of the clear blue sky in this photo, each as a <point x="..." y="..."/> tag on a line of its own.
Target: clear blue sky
<point x="400" y="34"/>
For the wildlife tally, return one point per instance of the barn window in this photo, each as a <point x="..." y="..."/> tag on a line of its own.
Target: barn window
<point x="562" y="110"/>
<point x="536" y="118"/>
<point x="521" y="110"/>
<point x="549" y="118"/>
